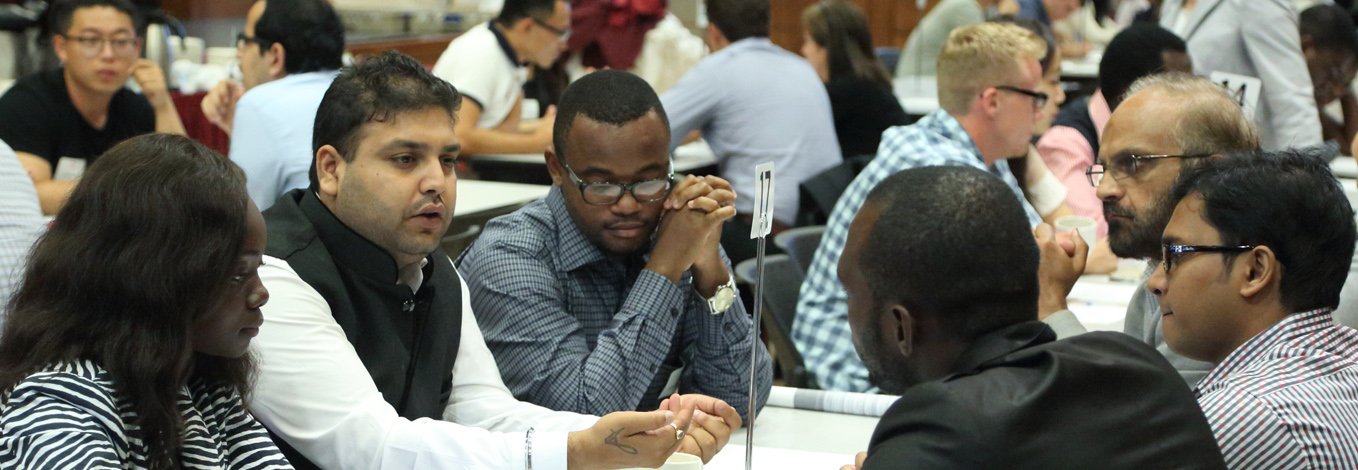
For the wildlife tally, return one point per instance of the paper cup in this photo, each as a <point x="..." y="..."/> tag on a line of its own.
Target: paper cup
<point x="1086" y="226"/>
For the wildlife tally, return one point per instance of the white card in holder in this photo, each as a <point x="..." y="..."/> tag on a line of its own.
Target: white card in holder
<point x="69" y="169"/>
<point x="1244" y="89"/>
<point x="762" y="224"/>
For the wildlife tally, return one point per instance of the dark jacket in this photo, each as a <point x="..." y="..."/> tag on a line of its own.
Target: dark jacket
<point x="407" y="340"/>
<point x="1020" y="399"/>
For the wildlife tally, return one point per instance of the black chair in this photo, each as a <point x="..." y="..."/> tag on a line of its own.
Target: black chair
<point x="820" y="193"/>
<point x="783" y="281"/>
<point x="800" y="243"/>
<point x="890" y="56"/>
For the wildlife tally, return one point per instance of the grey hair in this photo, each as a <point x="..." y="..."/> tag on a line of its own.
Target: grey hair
<point x="1210" y="119"/>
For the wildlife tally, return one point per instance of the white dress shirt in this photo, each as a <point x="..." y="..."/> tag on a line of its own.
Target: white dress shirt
<point x="315" y="393"/>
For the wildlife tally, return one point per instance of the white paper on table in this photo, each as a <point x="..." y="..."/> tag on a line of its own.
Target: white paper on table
<point x="863" y="404"/>
<point x="732" y="457"/>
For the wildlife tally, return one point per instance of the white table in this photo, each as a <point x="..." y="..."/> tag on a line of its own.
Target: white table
<point x="785" y="438"/>
<point x="918" y="95"/>
<point x="474" y="196"/>
<point x="1100" y="300"/>
<point x="687" y="157"/>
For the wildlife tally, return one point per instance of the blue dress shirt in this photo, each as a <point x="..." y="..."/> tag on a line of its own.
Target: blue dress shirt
<point x="271" y="134"/>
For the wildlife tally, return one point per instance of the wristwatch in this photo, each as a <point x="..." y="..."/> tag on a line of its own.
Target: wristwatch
<point x="725" y="296"/>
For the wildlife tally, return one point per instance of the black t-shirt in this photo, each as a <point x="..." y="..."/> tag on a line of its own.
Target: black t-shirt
<point x="37" y="117"/>
<point x="862" y="111"/>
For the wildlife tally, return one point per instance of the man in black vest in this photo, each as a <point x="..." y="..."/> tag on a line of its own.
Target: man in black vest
<point x="370" y="356"/>
<point x="941" y="274"/>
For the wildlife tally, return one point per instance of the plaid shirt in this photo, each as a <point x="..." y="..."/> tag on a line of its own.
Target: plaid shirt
<point x="821" y="330"/>
<point x="1288" y="398"/>
<point x="572" y="330"/>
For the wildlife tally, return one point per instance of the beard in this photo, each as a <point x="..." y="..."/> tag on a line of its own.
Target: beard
<point x="886" y="368"/>
<point x="1138" y="236"/>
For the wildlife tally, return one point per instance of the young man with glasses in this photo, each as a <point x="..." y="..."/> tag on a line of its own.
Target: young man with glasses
<point x="1169" y="125"/>
<point x="489" y="65"/>
<point x="289" y="53"/>
<point x="1253" y="261"/>
<point x="59" y="121"/>
<point x="990" y="72"/>
<point x="613" y="292"/>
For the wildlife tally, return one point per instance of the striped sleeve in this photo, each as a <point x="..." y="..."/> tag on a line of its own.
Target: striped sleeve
<point x="247" y="444"/>
<point x="60" y="421"/>
<point x="1250" y="432"/>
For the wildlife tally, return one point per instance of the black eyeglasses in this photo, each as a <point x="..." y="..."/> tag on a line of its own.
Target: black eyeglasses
<point x="1168" y="253"/>
<point x="561" y="34"/>
<point x="242" y="39"/>
<point x="1126" y="166"/>
<point x="1039" y="98"/>
<point x="607" y="194"/>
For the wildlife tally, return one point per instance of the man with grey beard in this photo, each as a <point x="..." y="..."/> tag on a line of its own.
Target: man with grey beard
<point x="1167" y="126"/>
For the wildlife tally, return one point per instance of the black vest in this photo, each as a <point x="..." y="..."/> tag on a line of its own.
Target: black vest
<point x="1075" y="115"/>
<point x="407" y="341"/>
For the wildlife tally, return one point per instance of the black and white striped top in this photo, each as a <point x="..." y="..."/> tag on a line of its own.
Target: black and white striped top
<point x="70" y="416"/>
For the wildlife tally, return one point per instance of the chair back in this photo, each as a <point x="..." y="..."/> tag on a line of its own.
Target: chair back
<point x="782" y="285"/>
<point x="800" y="243"/>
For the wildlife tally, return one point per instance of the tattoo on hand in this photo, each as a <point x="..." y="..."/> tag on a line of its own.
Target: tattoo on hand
<point x="612" y="440"/>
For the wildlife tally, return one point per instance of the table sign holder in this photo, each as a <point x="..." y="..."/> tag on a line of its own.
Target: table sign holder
<point x="760" y="229"/>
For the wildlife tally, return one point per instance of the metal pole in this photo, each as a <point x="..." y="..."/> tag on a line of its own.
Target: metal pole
<point x="754" y="348"/>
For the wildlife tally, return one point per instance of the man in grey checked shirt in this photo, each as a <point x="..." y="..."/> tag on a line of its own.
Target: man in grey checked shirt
<point x="988" y="108"/>
<point x="613" y="291"/>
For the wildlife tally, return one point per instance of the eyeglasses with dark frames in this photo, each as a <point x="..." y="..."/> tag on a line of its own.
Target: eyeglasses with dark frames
<point x="242" y="39"/>
<point x="1126" y="166"/>
<point x="92" y="46"/>
<point x="607" y="194"/>
<point x="1039" y="98"/>
<point x="1168" y="253"/>
<point x="561" y="34"/>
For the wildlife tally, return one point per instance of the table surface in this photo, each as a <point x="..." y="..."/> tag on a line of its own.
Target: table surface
<point x="687" y="157"/>
<point x="475" y="196"/>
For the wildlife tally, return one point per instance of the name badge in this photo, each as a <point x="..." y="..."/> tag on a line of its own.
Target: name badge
<point x="69" y="169"/>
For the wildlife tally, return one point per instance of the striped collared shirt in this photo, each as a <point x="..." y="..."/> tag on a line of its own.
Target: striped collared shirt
<point x="1288" y="398"/>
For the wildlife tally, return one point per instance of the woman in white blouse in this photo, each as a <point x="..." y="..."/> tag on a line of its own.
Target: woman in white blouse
<point x="126" y="345"/>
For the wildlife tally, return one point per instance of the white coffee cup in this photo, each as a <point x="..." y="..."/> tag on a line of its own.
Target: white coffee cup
<point x="1086" y="226"/>
<point x="678" y="461"/>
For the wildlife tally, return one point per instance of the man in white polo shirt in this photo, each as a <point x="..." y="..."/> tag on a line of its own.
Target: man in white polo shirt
<point x="488" y="64"/>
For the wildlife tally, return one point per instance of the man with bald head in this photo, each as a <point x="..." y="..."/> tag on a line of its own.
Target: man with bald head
<point x="1168" y="125"/>
<point x="989" y="75"/>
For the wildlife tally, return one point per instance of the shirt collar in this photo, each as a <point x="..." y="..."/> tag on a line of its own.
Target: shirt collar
<point x="575" y="250"/>
<point x="948" y="127"/>
<point x="1001" y="342"/>
<point x="1292" y="327"/>
<point x="504" y="45"/>
<point x="349" y="248"/>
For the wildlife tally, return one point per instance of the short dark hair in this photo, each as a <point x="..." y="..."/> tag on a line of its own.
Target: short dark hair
<point x="1041" y="30"/>
<point x="515" y="10"/>
<point x="1330" y="27"/>
<point x="309" y="30"/>
<point x="1136" y="52"/>
<point x="1290" y="202"/>
<point x="62" y="13"/>
<point x="375" y="90"/>
<point x="607" y="96"/>
<point x="142" y="250"/>
<point x="739" y="19"/>
<point x="952" y="242"/>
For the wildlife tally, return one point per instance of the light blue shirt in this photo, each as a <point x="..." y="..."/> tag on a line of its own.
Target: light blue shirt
<point x="756" y="103"/>
<point x="21" y="223"/>
<point x="821" y="328"/>
<point x="271" y="134"/>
